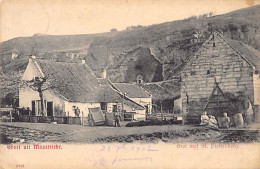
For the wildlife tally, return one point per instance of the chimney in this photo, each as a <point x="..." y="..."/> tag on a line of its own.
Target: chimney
<point x="104" y="73"/>
<point x="83" y="61"/>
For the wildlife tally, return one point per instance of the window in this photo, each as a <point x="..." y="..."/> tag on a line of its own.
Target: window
<point x="193" y="72"/>
<point x="103" y="105"/>
<point x="208" y="72"/>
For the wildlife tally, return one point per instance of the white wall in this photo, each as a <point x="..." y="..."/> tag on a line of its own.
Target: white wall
<point x="31" y="71"/>
<point x="140" y="115"/>
<point x="256" y="79"/>
<point x="178" y="104"/>
<point x="144" y="102"/>
<point x="82" y="106"/>
<point x="110" y="107"/>
<point x="27" y="95"/>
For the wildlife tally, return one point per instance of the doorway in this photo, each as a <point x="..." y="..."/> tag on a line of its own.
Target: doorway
<point x="49" y="108"/>
<point x="114" y="108"/>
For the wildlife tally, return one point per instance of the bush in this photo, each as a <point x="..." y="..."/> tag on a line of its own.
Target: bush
<point x="152" y="122"/>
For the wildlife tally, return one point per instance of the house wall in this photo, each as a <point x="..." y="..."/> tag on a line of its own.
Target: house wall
<point x="232" y="72"/>
<point x="140" y="114"/>
<point x="31" y="71"/>
<point x="82" y="106"/>
<point x="178" y="105"/>
<point x="27" y="95"/>
<point x="256" y="89"/>
<point x="110" y="107"/>
<point x="144" y="102"/>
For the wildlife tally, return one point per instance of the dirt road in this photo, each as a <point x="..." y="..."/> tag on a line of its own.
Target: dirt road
<point x="42" y="132"/>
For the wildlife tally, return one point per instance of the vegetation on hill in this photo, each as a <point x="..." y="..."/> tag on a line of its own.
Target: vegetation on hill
<point x="157" y="52"/>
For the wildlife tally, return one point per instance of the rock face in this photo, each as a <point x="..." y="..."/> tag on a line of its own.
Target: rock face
<point x="144" y="65"/>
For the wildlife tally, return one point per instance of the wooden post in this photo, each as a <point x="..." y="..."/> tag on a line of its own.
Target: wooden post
<point x="11" y="115"/>
<point x="82" y="123"/>
<point x="68" y="117"/>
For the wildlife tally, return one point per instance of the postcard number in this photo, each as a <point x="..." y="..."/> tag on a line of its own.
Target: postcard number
<point x="19" y="166"/>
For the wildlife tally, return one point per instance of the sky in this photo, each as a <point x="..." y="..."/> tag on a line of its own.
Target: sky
<point x="19" y="18"/>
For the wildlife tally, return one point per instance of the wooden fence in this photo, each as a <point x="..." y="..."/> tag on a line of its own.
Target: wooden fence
<point x="49" y="119"/>
<point x="162" y="116"/>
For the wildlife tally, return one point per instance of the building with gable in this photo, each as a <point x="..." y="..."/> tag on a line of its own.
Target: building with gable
<point x="131" y="91"/>
<point x="71" y="86"/>
<point x="220" y="77"/>
<point x="135" y="93"/>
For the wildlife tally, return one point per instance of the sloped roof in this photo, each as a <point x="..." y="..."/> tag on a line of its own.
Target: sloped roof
<point x="249" y="53"/>
<point x="74" y="81"/>
<point x="132" y="90"/>
<point x="77" y="83"/>
<point x="168" y="89"/>
<point x="104" y="81"/>
<point x="107" y="94"/>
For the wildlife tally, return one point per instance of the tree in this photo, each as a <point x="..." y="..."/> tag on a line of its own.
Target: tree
<point x="210" y="14"/>
<point x="41" y="84"/>
<point x="10" y="100"/>
<point x="113" y="30"/>
<point x="38" y="84"/>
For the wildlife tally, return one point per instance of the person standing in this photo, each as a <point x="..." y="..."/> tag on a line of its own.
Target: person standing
<point x="249" y="112"/>
<point x="77" y="112"/>
<point x="117" y="119"/>
<point x="28" y="111"/>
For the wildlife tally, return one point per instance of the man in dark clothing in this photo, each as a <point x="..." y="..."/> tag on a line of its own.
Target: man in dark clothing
<point x="77" y="112"/>
<point x="117" y="119"/>
<point x="28" y="111"/>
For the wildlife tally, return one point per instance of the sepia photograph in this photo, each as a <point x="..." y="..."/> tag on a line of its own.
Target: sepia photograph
<point x="129" y="84"/>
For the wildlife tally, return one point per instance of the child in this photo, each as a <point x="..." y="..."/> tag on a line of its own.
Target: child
<point x="204" y="119"/>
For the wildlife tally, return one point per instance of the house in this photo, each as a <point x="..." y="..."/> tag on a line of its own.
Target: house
<point x="219" y="78"/>
<point x="135" y="93"/>
<point x="70" y="87"/>
<point x="131" y="92"/>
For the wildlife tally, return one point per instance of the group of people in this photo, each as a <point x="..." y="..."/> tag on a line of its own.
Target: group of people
<point x="212" y="122"/>
<point x="244" y="117"/>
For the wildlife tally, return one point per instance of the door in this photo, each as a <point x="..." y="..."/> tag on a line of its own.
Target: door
<point x="33" y="108"/>
<point x="146" y="110"/>
<point x="49" y="108"/>
<point x="114" y="108"/>
<point x="103" y="106"/>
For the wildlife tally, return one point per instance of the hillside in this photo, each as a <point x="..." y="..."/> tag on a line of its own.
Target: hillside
<point x="155" y="52"/>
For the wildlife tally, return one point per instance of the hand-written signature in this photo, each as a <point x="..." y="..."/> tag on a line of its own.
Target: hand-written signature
<point x="120" y="153"/>
<point x="122" y="159"/>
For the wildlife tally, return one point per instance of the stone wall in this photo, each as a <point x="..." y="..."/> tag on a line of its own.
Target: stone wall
<point x="215" y="61"/>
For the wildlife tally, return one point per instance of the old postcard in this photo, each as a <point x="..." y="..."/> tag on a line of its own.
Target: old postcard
<point x="129" y="84"/>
